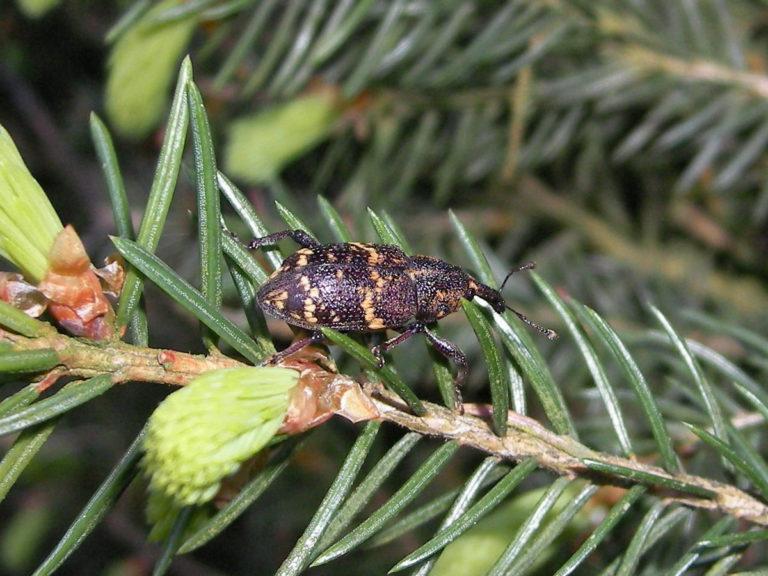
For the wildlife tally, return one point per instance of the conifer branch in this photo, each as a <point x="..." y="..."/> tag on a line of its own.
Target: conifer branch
<point x="124" y="362"/>
<point x="697" y="70"/>
<point x="526" y="438"/>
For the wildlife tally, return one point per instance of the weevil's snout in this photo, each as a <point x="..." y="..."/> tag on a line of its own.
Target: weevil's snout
<point x="497" y="302"/>
<point x="493" y="297"/>
<point x="499" y="306"/>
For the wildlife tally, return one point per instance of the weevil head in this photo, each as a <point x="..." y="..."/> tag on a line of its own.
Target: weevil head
<point x="440" y="286"/>
<point x="490" y="295"/>
<point x="496" y="300"/>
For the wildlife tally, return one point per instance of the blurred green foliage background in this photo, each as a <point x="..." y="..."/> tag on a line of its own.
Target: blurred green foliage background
<point x="622" y="145"/>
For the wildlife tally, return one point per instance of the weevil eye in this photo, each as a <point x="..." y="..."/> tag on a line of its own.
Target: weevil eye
<point x="499" y="305"/>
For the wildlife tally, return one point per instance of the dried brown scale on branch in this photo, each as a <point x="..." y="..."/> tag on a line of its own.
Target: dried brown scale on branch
<point x="76" y="299"/>
<point x="322" y="393"/>
<point x="73" y="291"/>
<point x="22" y="294"/>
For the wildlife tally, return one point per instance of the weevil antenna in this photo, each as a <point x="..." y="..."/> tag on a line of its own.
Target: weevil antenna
<point x="526" y="266"/>
<point x="548" y="332"/>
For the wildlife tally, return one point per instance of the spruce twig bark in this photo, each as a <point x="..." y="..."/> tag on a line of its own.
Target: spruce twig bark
<point x="124" y="362"/>
<point x="527" y="438"/>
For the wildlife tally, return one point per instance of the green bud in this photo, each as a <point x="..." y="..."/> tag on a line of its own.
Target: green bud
<point x="260" y="145"/>
<point x="28" y="222"/>
<point x="36" y="8"/>
<point x="201" y="433"/>
<point x="142" y="65"/>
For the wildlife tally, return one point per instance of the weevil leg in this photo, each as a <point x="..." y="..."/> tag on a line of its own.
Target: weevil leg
<point x="444" y="347"/>
<point x="313" y="338"/>
<point x="380" y="349"/>
<point x="452" y="352"/>
<point x="299" y="236"/>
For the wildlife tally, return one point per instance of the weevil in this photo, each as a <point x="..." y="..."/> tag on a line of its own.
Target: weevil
<point x="358" y="287"/>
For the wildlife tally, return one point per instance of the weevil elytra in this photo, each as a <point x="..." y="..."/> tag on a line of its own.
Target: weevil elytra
<point x="357" y="287"/>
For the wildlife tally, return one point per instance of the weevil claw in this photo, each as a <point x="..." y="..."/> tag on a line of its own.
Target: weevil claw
<point x="377" y="353"/>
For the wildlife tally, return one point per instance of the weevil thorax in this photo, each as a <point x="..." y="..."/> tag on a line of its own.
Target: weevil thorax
<point x="440" y="286"/>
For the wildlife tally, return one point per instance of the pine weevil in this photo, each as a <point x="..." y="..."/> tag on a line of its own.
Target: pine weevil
<point x="357" y="287"/>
